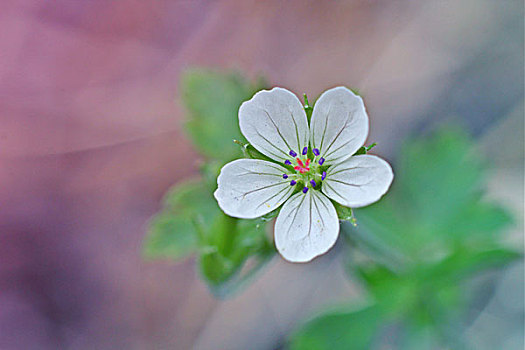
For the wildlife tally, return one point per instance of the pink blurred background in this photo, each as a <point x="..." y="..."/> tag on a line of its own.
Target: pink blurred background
<point x="90" y="140"/>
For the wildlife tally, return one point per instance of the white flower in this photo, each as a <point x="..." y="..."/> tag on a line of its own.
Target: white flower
<point x="312" y="164"/>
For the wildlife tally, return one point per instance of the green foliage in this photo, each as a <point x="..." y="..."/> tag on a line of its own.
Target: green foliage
<point x="172" y="232"/>
<point x="226" y="246"/>
<point x="212" y="100"/>
<point x="191" y="221"/>
<point x="352" y="329"/>
<point x="422" y="242"/>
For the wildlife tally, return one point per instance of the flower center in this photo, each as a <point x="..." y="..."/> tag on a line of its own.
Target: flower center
<point x="308" y="172"/>
<point x="302" y="167"/>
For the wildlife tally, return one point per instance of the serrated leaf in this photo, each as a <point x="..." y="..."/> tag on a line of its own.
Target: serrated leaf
<point x="212" y="100"/>
<point x="170" y="236"/>
<point x="172" y="232"/>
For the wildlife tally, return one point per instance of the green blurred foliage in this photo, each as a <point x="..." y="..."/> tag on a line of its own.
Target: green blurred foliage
<point x="413" y="251"/>
<point x="352" y="329"/>
<point x="421" y="245"/>
<point x="173" y="232"/>
<point x="190" y="221"/>
<point x="226" y="246"/>
<point x="212" y="100"/>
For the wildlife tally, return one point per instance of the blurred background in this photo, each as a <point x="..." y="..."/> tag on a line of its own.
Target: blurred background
<point x="91" y="139"/>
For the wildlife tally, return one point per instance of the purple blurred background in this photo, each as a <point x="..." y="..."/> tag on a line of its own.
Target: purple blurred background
<point x="90" y="140"/>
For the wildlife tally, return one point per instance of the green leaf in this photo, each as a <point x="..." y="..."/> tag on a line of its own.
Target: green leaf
<point x="210" y="170"/>
<point x="226" y="247"/>
<point x="212" y="100"/>
<point x="191" y="221"/>
<point x="354" y="329"/>
<point x="169" y="236"/>
<point x="434" y="203"/>
<point x="419" y="337"/>
<point x="464" y="263"/>
<point x="477" y="222"/>
<point x="438" y="176"/>
<point x="172" y="232"/>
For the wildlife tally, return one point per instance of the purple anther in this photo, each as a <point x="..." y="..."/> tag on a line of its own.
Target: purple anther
<point x="287" y="162"/>
<point x="323" y="176"/>
<point x="313" y="183"/>
<point x="293" y="182"/>
<point x="316" y="151"/>
<point x="321" y="161"/>
<point x="292" y="153"/>
<point x="285" y="176"/>
<point x="305" y="189"/>
<point x="305" y="150"/>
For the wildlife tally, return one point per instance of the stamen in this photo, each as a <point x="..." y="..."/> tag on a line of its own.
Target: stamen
<point x="316" y="151"/>
<point x="313" y="183"/>
<point x="285" y="176"/>
<point x="293" y="182"/>
<point x="293" y="154"/>
<point x="323" y="176"/>
<point x="305" y="189"/>
<point x="287" y="162"/>
<point x="305" y="150"/>
<point x="321" y="161"/>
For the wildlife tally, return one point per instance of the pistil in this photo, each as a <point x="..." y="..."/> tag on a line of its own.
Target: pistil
<point x="307" y="171"/>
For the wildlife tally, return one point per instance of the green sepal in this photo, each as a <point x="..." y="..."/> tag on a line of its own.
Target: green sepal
<point x="270" y="215"/>
<point x="345" y="213"/>
<point x="365" y="149"/>
<point x="307" y="108"/>
<point x="250" y="152"/>
<point x="355" y="91"/>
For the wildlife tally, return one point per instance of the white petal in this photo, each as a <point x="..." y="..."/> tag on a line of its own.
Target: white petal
<point x="358" y="181"/>
<point x="249" y="188"/>
<point x="306" y="227"/>
<point x="275" y="123"/>
<point x="339" y="125"/>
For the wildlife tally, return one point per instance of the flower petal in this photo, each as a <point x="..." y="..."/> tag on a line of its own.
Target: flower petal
<point x="249" y="188"/>
<point x="358" y="181"/>
<point x="306" y="227"/>
<point x="339" y="124"/>
<point x="275" y="123"/>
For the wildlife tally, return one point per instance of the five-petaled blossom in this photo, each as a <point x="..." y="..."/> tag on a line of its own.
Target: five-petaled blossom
<point x="313" y="164"/>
